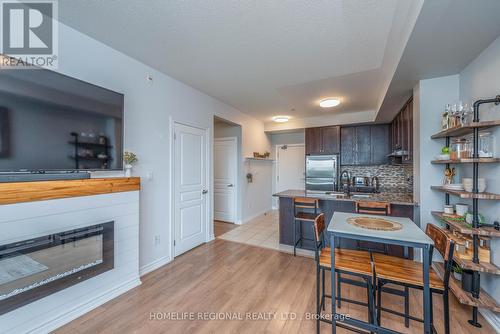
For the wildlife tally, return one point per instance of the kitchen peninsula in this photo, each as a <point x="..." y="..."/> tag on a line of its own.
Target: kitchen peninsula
<point x="402" y="205"/>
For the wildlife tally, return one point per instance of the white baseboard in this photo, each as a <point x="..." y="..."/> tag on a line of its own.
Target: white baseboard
<point x="492" y="318"/>
<point x="211" y="238"/>
<point x="78" y="311"/>
<point x="246" y="220"/>
<point x="154" y="265"/>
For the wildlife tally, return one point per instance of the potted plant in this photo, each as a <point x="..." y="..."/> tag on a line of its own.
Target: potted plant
<point x="457" y="272"/>
<point x="129" y="159"/>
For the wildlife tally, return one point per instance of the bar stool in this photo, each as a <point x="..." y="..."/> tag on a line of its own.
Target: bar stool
<point x="300" y="216"/>
<point x="353" y="262"/>
<point x="408" y="273"/>
<point x="373" y="208"/>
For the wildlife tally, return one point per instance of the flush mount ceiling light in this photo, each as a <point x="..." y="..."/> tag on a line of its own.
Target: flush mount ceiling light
<point x="329" y="102"/>
<point x="281" y="119"/>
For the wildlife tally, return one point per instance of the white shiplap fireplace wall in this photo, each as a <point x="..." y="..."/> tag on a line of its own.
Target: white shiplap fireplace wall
<point x="29" y="220"/>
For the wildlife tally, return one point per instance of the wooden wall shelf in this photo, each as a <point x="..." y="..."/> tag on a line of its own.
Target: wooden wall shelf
<point x="467" y="161"/>
<point x="484" y="267"/>
<point x="464" y="130"/>
<point x="466" y="194"/>
<point x="484" y="300"/>
<point x="20" y="192"/>
<point x="462" y="228"/>
<point x="259" y="159"/>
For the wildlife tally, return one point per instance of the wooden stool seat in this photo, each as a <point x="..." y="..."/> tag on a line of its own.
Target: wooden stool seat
<point x="401" y="270"/>
<point x="306" y="216"/>
<point x="347" y="260"/>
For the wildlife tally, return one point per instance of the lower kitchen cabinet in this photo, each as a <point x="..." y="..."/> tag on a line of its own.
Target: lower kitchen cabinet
<point x="328" y="207"/>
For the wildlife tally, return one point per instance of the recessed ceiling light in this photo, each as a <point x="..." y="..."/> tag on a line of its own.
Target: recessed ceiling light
<point x="281" y="119"/>
<point x="329" y="102"/>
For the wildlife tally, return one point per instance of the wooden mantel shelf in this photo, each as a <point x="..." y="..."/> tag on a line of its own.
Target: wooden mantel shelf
<point x="20" y="192"/>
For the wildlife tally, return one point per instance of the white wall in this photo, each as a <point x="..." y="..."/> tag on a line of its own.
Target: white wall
<point x="429" y="102"/>
<point x="296" y="137"/>
<point x="149" y="108"/>
<point x="479" y="80"/>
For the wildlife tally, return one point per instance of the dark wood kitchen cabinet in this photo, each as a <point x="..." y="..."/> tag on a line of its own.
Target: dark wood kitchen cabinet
<point x="323" y="140"/>
<point x="364" y="144"/>
<point x="380" y="144"/>
<point x="401" y="133"/>
<point x="348" y="145"/>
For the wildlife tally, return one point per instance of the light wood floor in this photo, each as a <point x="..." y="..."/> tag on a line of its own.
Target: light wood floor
<point x="224" y="276"/>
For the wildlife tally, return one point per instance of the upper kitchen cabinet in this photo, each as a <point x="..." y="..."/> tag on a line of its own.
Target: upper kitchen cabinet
<point x="402" y="134"/>
<point x="323" y="140"/>
<point x="379" y="144"/>
<point x="365" y="144"/>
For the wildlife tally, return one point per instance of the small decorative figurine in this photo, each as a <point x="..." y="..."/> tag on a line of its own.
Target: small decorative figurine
<point x="449" y="173"/>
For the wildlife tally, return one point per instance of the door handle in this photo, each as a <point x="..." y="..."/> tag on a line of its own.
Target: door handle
<point x="204" y="191"/>
<point x="230" y="185"/>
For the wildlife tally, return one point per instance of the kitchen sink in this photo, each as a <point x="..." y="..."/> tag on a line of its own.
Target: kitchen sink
<point x="361" y="196"/>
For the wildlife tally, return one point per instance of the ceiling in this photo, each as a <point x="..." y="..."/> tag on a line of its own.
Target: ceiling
<point x="263" y="57"/>
<point x="438" y="47"/>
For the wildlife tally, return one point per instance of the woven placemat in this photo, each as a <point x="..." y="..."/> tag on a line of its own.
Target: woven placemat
<point x="378" y="224"/>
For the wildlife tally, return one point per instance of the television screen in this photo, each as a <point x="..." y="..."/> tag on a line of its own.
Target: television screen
<point x="52" y="122"/>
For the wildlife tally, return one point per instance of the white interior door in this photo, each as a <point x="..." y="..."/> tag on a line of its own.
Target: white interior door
<point x="291" y="167"/>
<point x="225" y="178"/>
<point x="190" y="216"/>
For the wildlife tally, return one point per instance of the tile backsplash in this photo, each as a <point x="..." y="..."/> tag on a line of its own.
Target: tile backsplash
<point x="390" y="176"/>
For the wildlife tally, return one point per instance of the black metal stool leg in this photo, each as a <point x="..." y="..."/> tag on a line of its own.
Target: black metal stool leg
<point x="294" y="238"/>
<point x="379" y="301"/>
<point x="318" y="298"/>
<point x="339" y="291"/>
<point x="432" y="311"/>
<point x="407" y="307"/>
<point x="323" y="294"/>
<point x="446" y="309"/>
<point x="370" y="301"/>
<point x="300" y="234"/>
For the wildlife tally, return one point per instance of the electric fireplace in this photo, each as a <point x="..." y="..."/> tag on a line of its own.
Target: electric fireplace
<point x="35" y="268"/>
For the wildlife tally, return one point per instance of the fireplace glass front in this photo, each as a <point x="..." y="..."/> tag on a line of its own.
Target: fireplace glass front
<point x="34" y="268"/>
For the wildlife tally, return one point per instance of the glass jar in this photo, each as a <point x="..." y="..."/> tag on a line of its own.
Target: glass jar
<point x="444" y="121"/>
<point x="460" y="149"/>
<point x="486" y="145"/>
<point x="467" y="114"/>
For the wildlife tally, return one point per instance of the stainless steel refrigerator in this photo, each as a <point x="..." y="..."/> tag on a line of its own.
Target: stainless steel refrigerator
<point x="321" y="173"/>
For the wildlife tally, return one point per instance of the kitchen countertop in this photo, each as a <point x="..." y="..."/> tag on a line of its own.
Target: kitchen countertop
<point x="393" y="196"/>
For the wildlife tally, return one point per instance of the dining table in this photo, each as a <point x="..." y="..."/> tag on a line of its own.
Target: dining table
<point x="407" y="234"/>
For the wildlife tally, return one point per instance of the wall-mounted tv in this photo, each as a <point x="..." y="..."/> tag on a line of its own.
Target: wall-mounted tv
<point x="52" y="122"/>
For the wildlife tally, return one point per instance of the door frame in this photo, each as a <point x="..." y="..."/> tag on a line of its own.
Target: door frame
<point x="233" y="140"/>
<point x="208" y="170"/>
<point x="277" y="166"/>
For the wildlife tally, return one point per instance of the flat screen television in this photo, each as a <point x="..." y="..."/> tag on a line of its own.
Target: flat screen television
<point x="52" y="122"/>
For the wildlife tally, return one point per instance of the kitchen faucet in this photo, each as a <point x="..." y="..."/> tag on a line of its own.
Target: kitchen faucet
<point x="345" y="185"/>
